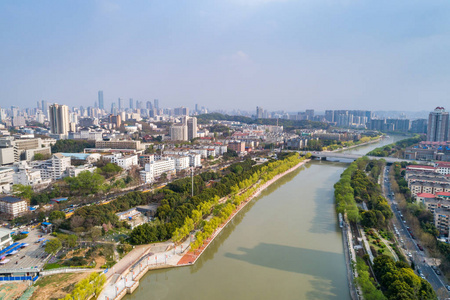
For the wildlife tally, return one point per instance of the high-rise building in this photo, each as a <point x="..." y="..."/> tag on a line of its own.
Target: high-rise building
<point x="131" y="103"/>
<point x="419" y="126"/>
<point x="120" y="104"/>
<point x="59" y="119"/>
<point x="310" y="114"/>
<point x="149" y="105"/>
<point x="156" y="104"/>
<point x="101" y="104"/>
<point x="179" y="132"/>
<point x="116" y="120"/>
<point x="113" y="108"/>
<point x="44" y="107"/>
<point x="259" y="112"/>
<point x="192" y="128"/>
<point x="329" y="116"/>
<point x="438" y="125"/>
<point x="181" y="111"/>
<point x="38" y="105"/>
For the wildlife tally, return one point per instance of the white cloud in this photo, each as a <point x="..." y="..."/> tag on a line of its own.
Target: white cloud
<point x="240" y="56"/>
<point x="107" y="6"/>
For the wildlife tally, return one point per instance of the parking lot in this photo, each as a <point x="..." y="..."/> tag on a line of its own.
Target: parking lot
<point x="32" y="256"/>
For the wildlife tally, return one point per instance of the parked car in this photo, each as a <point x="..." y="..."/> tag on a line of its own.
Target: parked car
<point x="420" y="247"/>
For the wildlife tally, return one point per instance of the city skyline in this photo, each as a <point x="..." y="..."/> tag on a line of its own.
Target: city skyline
<point x="274" y="54"/>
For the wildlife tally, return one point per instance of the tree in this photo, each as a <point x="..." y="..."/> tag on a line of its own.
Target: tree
<point x="56" y="215"/>
<point x="23" y="191"/>
<point x="72" y="240"/>
<point x="40" y="156"/>
<point x="95" y="233"/>
<point x="52" y="246"/>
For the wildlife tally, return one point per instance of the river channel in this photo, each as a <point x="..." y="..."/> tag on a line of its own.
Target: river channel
<point x="285" y="244"/>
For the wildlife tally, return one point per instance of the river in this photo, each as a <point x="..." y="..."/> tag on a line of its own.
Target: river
<point x="285" y="244"/>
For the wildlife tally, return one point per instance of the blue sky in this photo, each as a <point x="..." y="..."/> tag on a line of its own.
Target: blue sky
<point x="229" y="54"/>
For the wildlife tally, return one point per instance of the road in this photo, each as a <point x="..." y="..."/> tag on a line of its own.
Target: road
<point x="409" y="244"/>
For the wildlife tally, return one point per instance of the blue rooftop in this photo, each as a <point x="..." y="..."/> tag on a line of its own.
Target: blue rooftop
<point x="81" y="156"/>
<point x="60" y="199"/>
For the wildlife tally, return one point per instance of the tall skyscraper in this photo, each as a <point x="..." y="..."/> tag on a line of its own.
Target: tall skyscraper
<point x="44" y="107"/>
<point x="101" y="104"/>
<point x="120" y="104"/>
<point x="438" y="125"/>
<point x="149" y="105"/>
<point x="131" y="103"/>
<point x="38" y="105"/>
<point x="113" y="108"/>
<point x="192" y="128"/>
<point x="259" y="112"/>
<point x="156" y="104"/>
<point x="59" y="119"/>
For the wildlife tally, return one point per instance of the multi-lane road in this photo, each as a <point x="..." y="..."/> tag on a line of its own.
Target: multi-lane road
<point x="410" y="245"/>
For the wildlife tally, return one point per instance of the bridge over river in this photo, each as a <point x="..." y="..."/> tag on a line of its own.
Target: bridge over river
<point x="351" y="156"/>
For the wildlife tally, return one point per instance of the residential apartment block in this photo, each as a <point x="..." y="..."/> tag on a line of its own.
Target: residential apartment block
<point x="13" y="207"/>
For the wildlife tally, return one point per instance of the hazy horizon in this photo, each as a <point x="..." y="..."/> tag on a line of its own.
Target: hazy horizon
<point x="236" y="54"/>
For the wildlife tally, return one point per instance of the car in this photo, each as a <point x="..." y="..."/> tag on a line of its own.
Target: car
<point x="448" y="287"/>
<point x="437" y="272"/>
<point x="420" y="247"/>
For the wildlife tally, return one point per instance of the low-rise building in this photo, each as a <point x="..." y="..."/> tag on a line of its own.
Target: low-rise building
<point x="25" y="175"/>
<point x="13" y="207"/>
<point x="146" y="159"/>
<point x="119" y="144"/>
<point x="237" y="146"/>
<point x="54" y="168"/>
<point x="123" y="161"/>
<point x="5" y="237"/>
<point x="181" y="162"/>
<point x="6" y="180"/>
<point x="74" y="171"/>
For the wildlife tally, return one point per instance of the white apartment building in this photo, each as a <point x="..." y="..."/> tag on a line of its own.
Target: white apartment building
<point x="165" y="165"/>
<point x="181" y="162"/>
<point x="6" y="180"/>
<point x="6" y="156"/>
<point x="5" y="237"/>
<point x="74" y="171"/>
<point x="13" y="206"/>
<point x="195" y="160"/>
<point x="123" y="161"/>
<point x="25" y="175"/>
<point x="443" y="168"/>
<point x="54" y="168"/>
<point x="146" y="177"/>
<point x="202" y="152"/>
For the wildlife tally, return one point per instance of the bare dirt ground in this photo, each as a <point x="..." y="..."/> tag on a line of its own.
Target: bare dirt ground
<point x="10" y="291"/>
<point x="56" y="286"/>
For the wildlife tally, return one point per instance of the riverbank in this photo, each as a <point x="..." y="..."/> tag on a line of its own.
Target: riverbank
<point x="358" y="145"/>
<point x="124" y="277"/>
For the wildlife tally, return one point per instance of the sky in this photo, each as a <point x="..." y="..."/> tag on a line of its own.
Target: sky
<point x="228" y="54"/>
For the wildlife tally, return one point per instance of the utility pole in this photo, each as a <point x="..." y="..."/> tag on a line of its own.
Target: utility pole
<point x="192" y="184"/>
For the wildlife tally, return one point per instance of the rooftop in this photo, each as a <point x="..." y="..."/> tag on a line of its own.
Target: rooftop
<point x="10" y="199"/>
<point x="426" y="195"/>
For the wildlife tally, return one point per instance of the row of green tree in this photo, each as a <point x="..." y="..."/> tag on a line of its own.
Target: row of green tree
<point x="88" y="287"/>
<point x="71" y="146"/>
<point x="177" y="205"/>
<point x="238" y="194"/>
<point x="391" y="149"/>
<point x="398" y="280"/>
